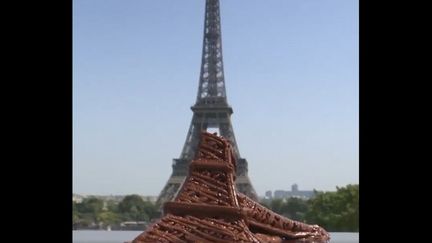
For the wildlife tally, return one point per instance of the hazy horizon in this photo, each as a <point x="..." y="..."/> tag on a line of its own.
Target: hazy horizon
<point x="291" y="74"/>
<point x="155" y="195"/>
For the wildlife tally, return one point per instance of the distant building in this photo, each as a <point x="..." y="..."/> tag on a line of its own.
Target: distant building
<point x="268" y="195"/>
<point x="295" y="192"/>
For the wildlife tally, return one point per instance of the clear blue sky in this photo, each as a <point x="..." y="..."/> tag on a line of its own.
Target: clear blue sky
<point x="291" y="73"/>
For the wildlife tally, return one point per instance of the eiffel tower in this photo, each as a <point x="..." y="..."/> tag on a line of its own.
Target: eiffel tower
<point x="211" y="110"/>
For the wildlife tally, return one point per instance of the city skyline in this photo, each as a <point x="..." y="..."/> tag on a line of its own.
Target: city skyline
<point x="291" y="72"/>
<point x="261" y="195"/>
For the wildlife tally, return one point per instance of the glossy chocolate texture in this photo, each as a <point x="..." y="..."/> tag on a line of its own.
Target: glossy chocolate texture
<point x="208" y="208"/>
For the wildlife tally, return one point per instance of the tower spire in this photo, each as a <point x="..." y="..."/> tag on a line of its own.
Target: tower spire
<point x="211" y="88"/>
<point x="211" y="110"/>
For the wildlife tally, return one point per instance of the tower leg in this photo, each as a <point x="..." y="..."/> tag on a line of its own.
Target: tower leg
<point x="170" y="190"/>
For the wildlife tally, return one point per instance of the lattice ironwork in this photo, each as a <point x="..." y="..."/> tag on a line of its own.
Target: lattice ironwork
<point x="209" y="209"/>
<point x="211" y="110"/>
<point x="212" y="83"/>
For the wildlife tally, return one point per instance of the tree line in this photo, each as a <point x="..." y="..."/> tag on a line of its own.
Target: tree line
<point x="94" y="211"/>
<point x="335" y="211"/>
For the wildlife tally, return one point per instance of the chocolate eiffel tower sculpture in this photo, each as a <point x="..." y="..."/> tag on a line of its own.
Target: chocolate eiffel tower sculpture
<point x="208" y="207"/>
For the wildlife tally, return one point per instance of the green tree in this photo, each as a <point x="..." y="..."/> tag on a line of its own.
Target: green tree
<point x="89" y="209"/>
<point x="336" y="211"/>
<point x="295" y="208"/>
<point x="133" y="207"/>
<point x="75" y="213"/>
<point x="90" y="205"/>
<point x="109" y="218"/>
<point x="277" y="205"/>
<point x="151" y="210"/>
<point x="112" y="206"/>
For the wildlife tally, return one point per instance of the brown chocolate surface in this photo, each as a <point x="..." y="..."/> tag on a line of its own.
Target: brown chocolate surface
<point x="208" y="208"/>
